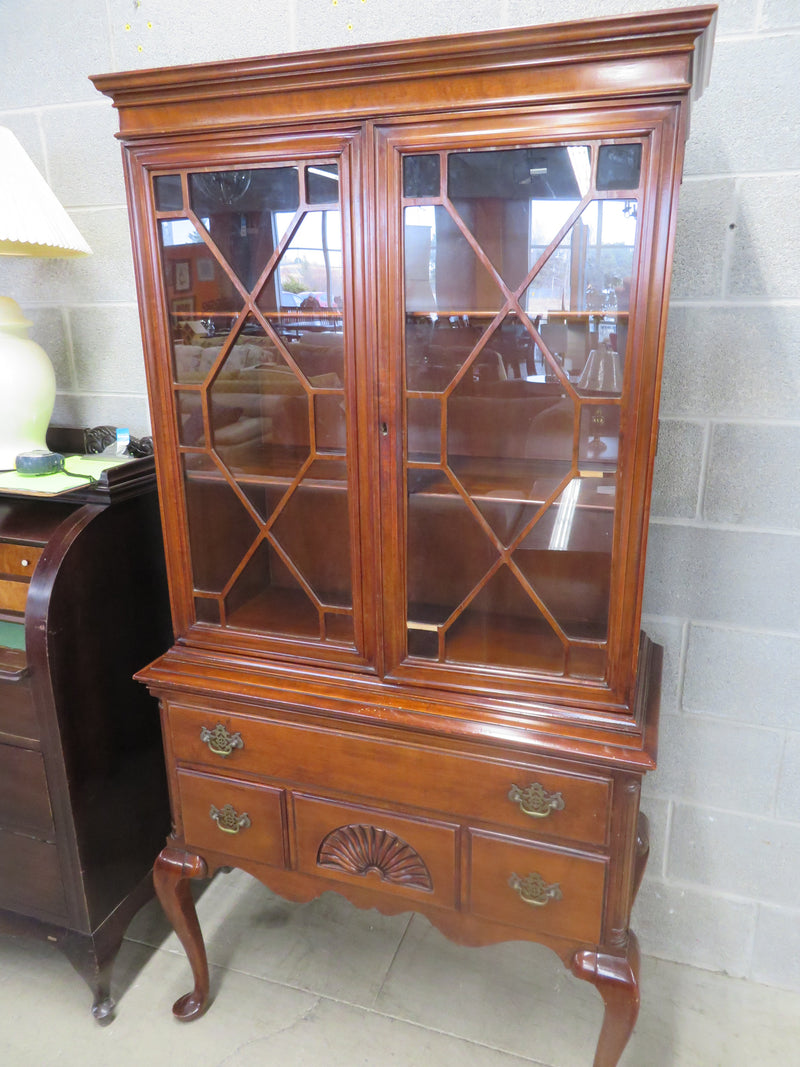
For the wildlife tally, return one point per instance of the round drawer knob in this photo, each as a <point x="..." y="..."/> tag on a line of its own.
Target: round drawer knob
<point x="25" y="562"/>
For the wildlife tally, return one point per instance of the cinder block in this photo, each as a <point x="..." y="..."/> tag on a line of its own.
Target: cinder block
<point x="779" y="15"/>
<point x="84" y="159"/>
<point x="735" y="16"/>
<point x="747" y="118"/>
<point x="106" y="276"/>
<point x="657" y="811"/>
<point x="668" y="634"/>
<point x="726" y="362"/>
<point x="748" y="464"/>
<point x="776" y="950"/>
<point x="788" y="804"/>
<point x="108" y="350"/>
<point x="161" y="35"/>
<point x="717" y="764"/>
<point x="46" y="52"/>
<point x="676" y="476"/>
<point x="88" y="409"/>
<point x="691" y="926"/>
<point x="765" y="253"/>
<point x="742" y="675"/>
<point x="706" y="210"/>
<point x="744" y="856"/>
<point x="711" y="575"/>
<point x="48" y="330"/>
<point x="25" y="127"/>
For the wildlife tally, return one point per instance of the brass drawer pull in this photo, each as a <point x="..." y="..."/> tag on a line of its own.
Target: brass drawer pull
<point x="534" y="890"/>
<point x="219" y="741"/>
<point x="535" y="800"/>
<point x="229" y="820"/>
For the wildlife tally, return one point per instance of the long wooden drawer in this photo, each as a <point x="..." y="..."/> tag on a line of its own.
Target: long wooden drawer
<point x="232" y="817"/>
<point x="13" y="595"/>
<point x="408" y="857"/>
<point x="30" y="877"/>
<point x="24" y="798"/>
<point x="575" y="807"/>
<point x="543" y="889"/>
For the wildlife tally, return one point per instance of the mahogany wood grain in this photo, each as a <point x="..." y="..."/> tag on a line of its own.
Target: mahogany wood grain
<point x="390" y="687"/>
<point x="171" y="873"/>
<point x="617" y="980"/>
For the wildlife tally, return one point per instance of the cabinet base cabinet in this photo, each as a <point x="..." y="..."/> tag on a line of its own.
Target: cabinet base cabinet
<point x="491" y="843"/>
<point x="404" y="309"/>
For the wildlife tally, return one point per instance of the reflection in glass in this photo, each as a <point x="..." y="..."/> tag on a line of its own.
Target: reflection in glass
<point x="168" y="192"/>
<point x="421" y="176"/>
<point x="510" y="531"/>
<point x="201" y="299"/>
<point x="322" y="183"/>
<point x="619" y="166"/>
<point x="243" y="211"/>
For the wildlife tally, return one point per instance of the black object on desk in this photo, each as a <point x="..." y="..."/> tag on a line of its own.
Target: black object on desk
<point x="83" y="798"/>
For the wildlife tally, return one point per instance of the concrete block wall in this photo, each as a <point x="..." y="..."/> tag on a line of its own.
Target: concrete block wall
<point x="723" y="578"/>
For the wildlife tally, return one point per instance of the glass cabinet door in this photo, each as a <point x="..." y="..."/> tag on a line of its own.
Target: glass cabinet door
<point x="518" y="264"/>
<point x="253" y="274"/>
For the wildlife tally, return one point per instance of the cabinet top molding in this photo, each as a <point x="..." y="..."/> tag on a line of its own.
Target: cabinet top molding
<point x="655" y="54"/>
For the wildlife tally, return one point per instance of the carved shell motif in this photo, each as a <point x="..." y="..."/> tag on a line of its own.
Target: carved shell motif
<point x="358" y="849"/>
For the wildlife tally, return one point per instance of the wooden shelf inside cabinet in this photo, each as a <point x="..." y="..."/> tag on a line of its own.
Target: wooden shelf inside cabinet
<point x="79" y="739"/>
<point x="407" y="522"/>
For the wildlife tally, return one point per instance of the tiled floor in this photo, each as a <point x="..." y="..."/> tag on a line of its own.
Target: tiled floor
<point x="327" y="985"/>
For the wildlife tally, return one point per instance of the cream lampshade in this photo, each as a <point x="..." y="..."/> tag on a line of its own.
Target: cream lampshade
<point x="32" y="223"/>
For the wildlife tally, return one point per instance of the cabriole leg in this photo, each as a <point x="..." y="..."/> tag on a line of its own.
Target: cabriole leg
<point x="171" y="875"/>
<point x="617" y="980"/>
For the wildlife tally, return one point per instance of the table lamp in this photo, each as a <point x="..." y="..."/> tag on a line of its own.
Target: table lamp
<point x="32" y="223"/>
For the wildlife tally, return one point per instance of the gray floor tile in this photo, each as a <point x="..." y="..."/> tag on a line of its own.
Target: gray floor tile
<point x="326" y="984"/>
<point x="326" y="946"/>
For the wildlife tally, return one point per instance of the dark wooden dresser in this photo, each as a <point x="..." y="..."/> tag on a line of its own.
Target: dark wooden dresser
<point x="83" y="803"/>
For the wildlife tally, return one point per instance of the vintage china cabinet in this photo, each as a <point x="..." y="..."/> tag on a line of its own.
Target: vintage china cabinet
<point x="403" y="309"/>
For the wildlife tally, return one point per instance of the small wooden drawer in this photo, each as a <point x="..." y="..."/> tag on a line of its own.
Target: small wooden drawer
<point x="24" y="799"/>
<point x="18" y="559"/>
<point x="30" y="877"/>
<point x="13" y="595"/>
<point x="232" y="817"/>
<point x="531" y="797"/>
<point x="406" y="857"/>
<point x="547" y="890"/>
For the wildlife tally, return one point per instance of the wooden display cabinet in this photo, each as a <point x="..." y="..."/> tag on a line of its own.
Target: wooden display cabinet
<point x="403" y="308"/>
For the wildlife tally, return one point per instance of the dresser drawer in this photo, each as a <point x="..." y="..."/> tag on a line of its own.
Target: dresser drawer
<point x="232" y="817"/>
<point x="17" y="712"/>
<point x="575" y="807"/>
<point x="24" y="799"/>
<point x="13" y="595"/>
<point x="407" y="857"/>
<point x="18" y="559"/>
<point x="30" y="877"/>
<point x="547" y="890"/>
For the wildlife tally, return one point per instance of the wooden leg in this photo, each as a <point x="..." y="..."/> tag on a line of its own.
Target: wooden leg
<point x="617" y="979"/>
<point x="642" y="852"/>
<point x="171" y="875"/>
<point x="94" y="962"/>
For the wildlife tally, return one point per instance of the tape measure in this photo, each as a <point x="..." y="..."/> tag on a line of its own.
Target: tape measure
<point x="32" y="464"/>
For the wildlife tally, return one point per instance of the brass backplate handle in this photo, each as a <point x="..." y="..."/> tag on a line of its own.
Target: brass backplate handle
<point x="534" y="890"/>
<point x="229" y="820"/>
<point x="535" y="800"/>
<point x="219" y="741"/>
